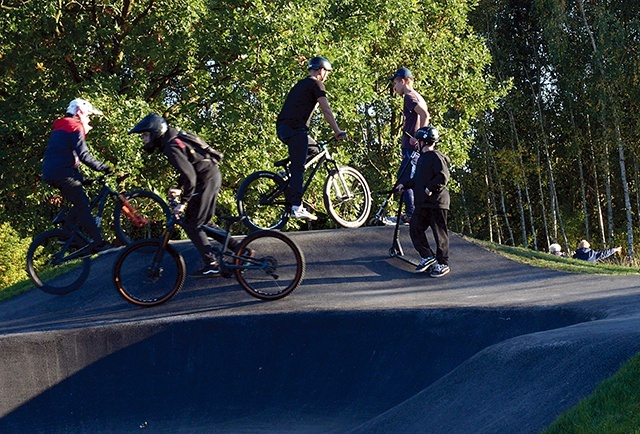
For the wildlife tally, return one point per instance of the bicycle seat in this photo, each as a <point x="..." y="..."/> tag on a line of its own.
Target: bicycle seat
<point x="281" y="163"/>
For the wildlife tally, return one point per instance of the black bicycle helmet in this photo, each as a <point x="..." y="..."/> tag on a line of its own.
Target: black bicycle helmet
<point x="153" y="124"/>
<point x="319" y="62"/>
<point x="428" y="135"/>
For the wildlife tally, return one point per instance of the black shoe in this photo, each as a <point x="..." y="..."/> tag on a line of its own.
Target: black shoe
<point x="211" y="270"/>
<point x="249" y="252"/>
<point x="102" y="248"/>
<point x="76" y="243"/>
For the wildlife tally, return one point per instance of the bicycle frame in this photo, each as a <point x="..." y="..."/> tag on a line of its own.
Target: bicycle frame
<point x="100" y="201"/>
<point x="323" y="158"/>
<point x="226" y="266"/>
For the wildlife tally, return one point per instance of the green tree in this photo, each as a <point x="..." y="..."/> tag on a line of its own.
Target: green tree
<point x="222" y="69"/>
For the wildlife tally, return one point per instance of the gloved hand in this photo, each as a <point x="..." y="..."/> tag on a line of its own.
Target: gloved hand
<point x="341" y="135"/>
<point x="108" y="170"/>
<point x="179" y="209"/>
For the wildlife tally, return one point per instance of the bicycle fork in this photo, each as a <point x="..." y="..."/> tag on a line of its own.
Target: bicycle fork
<point x="154" y="271"/>
<point x="341" y="188"/>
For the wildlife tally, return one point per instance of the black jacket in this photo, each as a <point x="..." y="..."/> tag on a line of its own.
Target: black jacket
<point x="432" y="172"/>
<point x="192" y="167"/>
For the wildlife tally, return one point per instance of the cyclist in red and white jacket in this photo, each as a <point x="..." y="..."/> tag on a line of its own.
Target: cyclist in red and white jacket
<point x="67" y="148"/>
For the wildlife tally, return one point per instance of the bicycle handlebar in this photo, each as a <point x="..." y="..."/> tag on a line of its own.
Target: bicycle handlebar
<point x="119" y="179"/>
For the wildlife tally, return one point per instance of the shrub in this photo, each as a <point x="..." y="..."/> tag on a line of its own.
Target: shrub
<point x="13" y="251"/>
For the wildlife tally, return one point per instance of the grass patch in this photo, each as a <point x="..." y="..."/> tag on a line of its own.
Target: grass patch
<point x="614" y="407"/>
<point x="547" y="260"/>
<point x="15" y="289"/>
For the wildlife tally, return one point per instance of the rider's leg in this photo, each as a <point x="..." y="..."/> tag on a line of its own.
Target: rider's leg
<point x="404" y="174"/>
<point x="73" y="191"/>
<point x="200" y="209"/>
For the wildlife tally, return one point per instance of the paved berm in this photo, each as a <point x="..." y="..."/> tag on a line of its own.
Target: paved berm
<point x="364" y="346"/>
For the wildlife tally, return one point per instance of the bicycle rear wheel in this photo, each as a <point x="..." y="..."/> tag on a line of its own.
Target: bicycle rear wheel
<point x="146" y="275"/>
<point x="261" y="199"/>
<point x="151" y="207"/>
<point x="276" y="268"/>
<point x="48" y="264"/>
<point x="349" y="208"/>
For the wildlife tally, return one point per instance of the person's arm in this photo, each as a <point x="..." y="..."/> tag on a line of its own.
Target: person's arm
<point x="604" y="254"/>
<point x="323" y="102"/>
<point x="187" y="175"/>
<point x="423" y="114"/>
<point x="82" y="151"/>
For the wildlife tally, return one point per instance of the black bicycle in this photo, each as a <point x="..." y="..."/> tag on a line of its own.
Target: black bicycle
<point x="346" y="194"/>
<point x="267" y="264"/>
<point x="59" y="261"/>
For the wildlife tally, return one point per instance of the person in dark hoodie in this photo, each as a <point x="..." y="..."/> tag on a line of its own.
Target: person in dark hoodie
<point x="65" y="151"/>
<point x="585" y="252"/>
<point x="199" y="183"/>
<point x="432" y="200"/>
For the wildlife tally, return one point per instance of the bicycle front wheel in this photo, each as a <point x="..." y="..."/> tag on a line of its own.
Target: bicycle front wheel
<point x="49" y="264"/>
<point x="276" y="268"/>
<point x="348" y="202"/>
<point x="261" y="199"/>
<point x="145" y="274"/>
<point x="152" y="209"/>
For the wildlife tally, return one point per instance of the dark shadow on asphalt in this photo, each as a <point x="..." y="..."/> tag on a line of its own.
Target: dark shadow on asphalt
<point x="365" y="343"/>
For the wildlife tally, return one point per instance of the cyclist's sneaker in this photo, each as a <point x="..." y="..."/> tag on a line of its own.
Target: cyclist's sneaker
<point x="439" y="270"/>
<point x="211" y="270"/>
<point x="102" y="248"/>
<point x="248" y="252"/>
<point x="425" y="264"/>
<point x="76" y="243"/>
<point x="300" y="212"/>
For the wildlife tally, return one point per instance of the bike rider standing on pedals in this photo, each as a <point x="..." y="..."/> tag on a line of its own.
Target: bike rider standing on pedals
<point x="292" y="128"/>
<point x="66" y="149"/>
<point x="198" y="185"/>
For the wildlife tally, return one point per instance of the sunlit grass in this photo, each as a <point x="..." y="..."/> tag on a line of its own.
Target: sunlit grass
<point x="547" y="260"/>
<point x="15" y="289"/>
<point x="614" y="407"/>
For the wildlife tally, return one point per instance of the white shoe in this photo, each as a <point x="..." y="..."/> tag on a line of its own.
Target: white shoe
<point x="299" y="212"/>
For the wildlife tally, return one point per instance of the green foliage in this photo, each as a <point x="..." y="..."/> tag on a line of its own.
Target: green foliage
<point x="611" y="408"/>
<point x="222" y="70"/>
<point x="13" y="251"/>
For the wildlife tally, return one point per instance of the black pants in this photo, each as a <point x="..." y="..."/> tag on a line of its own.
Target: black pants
<point x="80" y="213"/>
<point x="200" y="210"/>
<point x="300" y="146"/>
<point x="436" y="219"/>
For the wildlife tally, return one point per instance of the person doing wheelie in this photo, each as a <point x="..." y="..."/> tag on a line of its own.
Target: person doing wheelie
<point x="432" y="200"/>
<point x="66" y="149"/>
<point x="199" y="182"/>
<point x="292" y="127"/>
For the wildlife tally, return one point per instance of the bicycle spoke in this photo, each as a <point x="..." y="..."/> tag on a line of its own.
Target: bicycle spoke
<point x="261" y="200"/>
<point x="144" y="280"/>
<point x="347" y="198"/>
<point x="153" y="212"/>
<point x="276" y="268"/>
<point x="49" y="264"/>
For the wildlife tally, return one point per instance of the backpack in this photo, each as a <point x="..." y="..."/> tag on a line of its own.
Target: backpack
<point x="196" y="144"/>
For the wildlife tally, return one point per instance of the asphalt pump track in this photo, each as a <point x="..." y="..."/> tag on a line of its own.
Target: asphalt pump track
<point x="363" y="346"/>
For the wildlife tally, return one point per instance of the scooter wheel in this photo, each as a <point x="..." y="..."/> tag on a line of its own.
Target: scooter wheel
<point x="393" y="252"/>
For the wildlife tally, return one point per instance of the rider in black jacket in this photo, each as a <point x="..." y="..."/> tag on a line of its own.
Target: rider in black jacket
<point x="199" y="182"/>
<point x="432" y="200"/>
